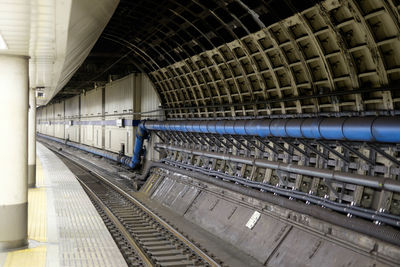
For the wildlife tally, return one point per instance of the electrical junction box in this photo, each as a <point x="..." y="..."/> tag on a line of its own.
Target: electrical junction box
<point x="120" y="123"/>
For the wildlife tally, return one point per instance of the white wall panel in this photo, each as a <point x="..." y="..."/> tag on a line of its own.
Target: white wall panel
<point x="98" y="136"/>
<point x="59" y="110"/>
<point x="91" y="103"/>
<point x="59" y="120"/>
<point x="115" y="136"/>
<point x="50" y="130"/>
<point x="149" y="97"/>
<point x="50" y="112"/>
<point x="119" y="95"/>
<point x="87" y="135"/>
<point x="50" y="119"/>
<point x="39" y="119"/>
<point x="38" y="113"/>
<point x="130" y="140"/>
<point x="59" y="130"/>
<point x="72" y="132"/>
<point x="149" y="102"/>
<point x="83" y="133"/>
<point x="72" y="107"/>
<point x="134" y="93"/>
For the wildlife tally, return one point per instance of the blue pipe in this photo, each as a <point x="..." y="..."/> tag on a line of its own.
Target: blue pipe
<point x="370" y="129"/>
<point x="141" y="135"/>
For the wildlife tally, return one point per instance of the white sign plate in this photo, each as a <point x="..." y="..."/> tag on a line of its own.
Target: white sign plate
<point x="253" y="220"/>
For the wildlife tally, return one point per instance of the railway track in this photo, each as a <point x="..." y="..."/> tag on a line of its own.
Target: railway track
<point x="143" y="237"/>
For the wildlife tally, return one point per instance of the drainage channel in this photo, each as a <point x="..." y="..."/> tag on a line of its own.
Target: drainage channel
<point x="143" y="237"/>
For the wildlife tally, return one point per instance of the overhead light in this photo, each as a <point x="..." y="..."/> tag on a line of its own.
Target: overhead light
<point x="3" y="45"/>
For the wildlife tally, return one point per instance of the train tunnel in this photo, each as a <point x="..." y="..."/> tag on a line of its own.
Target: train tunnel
<point x="200" y="133"/>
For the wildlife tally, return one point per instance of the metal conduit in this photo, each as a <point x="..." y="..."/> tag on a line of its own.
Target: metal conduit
<point x="352" y="178"/>
<point x="371" y="129"/>
<point x="108" y="155"/>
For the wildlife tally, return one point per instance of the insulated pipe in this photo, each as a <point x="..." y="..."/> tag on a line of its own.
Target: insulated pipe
<point x="371" y="129"/>
<point x="141" y="135"/>
<point x="105" y="154"/>
<point x="352" y="178"/>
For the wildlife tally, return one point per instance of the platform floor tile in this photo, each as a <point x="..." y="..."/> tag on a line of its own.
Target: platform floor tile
<point x="64" y="228"/>
<point x="39" y="173"/>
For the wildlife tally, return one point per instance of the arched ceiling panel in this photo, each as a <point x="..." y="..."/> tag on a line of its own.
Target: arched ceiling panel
<point x="248" y="58"/>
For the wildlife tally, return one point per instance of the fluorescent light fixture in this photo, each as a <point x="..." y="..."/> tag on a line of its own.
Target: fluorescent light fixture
<point x="3" y="45"/>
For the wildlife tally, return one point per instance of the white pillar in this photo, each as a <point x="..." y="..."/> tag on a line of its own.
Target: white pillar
<point x="32" y="139"/>
<point x="13" y="151"/>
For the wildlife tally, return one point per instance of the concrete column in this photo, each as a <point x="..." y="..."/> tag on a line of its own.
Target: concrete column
<point x="13" y="151"/>
<point x="32" y="139"/>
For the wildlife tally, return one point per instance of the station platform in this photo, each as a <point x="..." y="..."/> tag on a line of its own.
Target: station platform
<point x="64" y="228"/>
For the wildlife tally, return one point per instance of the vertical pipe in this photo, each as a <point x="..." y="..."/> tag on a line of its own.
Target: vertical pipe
<point x="32" y="139"/>
<point x="14" y="151"/>
<point x="141" y="135"/>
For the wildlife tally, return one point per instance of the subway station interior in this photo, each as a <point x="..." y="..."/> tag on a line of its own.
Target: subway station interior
<point x="199" y="133"/>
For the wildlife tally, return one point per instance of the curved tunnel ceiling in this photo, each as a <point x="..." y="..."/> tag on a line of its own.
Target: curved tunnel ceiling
<point x="251" y="58"/>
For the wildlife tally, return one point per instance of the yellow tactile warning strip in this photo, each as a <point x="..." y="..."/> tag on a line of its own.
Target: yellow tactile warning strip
<point x="37" y="214"/>
<point x="37" y="227"/>
<point x="39" y="173"/>
<point x="33" y="257"/>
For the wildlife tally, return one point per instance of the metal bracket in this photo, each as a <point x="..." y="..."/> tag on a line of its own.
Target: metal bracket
<point x="283" y="177"/>
<point x="313" y="149"/>
<point x="331" y="189"/>
<point x="358" y="153"/>
<point x="333" y="151"/>
<point x="383" y="153"/>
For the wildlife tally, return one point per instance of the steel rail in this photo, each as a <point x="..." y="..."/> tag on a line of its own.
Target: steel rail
<point x="138" y="204"/>
<point x="142" y="254"/>
<point x="181" y="237"/>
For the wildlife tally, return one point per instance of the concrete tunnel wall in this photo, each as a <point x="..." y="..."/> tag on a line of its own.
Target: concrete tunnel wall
<point x="90" y="118"/>
<point x="336" y="59"/>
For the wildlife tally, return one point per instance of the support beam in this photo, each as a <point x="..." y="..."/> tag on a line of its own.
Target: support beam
<point x="14" y="151"/>
<point x="32" y="139"/>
